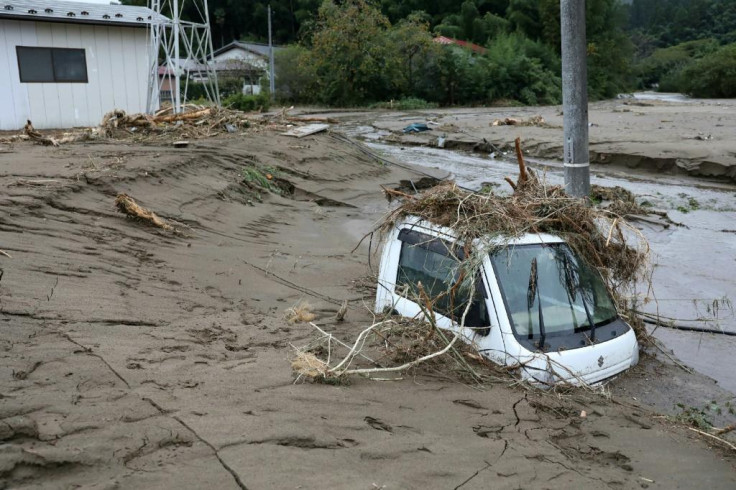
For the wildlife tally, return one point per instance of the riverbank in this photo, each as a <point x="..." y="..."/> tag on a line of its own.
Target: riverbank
<point x="133" y="356"/>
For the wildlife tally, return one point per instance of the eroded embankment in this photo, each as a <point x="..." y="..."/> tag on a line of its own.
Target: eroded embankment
<point x="138" y="357"/>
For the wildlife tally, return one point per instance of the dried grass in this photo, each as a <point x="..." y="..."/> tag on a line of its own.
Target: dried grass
<point x="299" y="313"/>
<point x="308" y="365"/>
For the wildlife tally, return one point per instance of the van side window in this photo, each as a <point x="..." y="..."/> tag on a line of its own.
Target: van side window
<point x="432" y="262"/>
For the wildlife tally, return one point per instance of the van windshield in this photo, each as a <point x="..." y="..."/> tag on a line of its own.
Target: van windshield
<point x="548" y="282"/>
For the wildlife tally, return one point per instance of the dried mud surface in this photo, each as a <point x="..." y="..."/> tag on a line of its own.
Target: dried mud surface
<point x="131" y="357"/>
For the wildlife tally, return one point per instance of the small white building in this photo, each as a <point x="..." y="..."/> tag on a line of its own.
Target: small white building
<point x="244" y="60"/>
<point x="65" y="64"/>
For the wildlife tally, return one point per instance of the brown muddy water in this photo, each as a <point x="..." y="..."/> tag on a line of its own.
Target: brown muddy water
<point x="694" y="265"/>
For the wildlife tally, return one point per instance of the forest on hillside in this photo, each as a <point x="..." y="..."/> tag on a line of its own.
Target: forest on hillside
<point x="358" y="52"/>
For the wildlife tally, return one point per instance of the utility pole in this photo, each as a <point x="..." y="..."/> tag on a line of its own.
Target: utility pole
<point x="575" y="97"/>
<point x="177" y="79"/>
<point x="272" y="80"/>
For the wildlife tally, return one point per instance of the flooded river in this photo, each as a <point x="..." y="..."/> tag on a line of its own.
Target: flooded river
<point x="694" y="265"/>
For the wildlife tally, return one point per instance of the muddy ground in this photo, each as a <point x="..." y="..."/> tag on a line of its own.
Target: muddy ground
<point x="131" y="357"/>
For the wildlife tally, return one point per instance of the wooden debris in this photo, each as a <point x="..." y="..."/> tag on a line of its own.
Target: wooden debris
<point x="197" y="122"/>
<point x="340" y="316"/>
<point x="724" y="430"/>
<point x="34" y="135"/>
<point x="181" y="144"/>
<point x="520" y="160"/>
<point x="128" y="206"/>
<point x="184" y="116"/>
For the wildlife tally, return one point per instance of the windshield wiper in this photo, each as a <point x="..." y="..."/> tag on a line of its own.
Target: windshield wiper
<point x="533" y="290"/>
<point x="587" y="313"/>
<point x="571" y="284"/>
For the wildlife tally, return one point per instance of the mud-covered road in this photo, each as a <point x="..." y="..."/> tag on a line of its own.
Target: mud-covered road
<point x="132" y="357"/>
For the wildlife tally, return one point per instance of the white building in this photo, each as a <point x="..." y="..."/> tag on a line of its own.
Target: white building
<point x="246" y="60"/>
<point x="65" y="64"/>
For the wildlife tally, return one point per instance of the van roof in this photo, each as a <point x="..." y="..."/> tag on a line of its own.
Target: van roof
<point x="526" y="239"/>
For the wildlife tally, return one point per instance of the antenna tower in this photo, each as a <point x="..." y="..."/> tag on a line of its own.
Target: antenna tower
<point x="185" y="48"/>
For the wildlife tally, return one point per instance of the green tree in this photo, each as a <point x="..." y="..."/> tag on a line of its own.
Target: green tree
<point x="353" y="61"/>
<point x="296" y="79"/>
<point x="411" y="40"/>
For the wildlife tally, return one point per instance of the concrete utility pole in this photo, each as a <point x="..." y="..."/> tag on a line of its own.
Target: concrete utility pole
<point x="272" y="79"/>
<point x="575" y="97"/>
<point x="177" y="74"/>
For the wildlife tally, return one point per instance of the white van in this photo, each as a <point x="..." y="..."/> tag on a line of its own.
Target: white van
<point x="536" y="305"/>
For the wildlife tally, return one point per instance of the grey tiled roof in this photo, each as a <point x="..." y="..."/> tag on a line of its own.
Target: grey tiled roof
<point x="78" y="12"/>
<point x="257" y="48"/>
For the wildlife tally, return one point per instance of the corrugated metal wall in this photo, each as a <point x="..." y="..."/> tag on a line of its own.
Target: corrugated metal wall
<point x="117" y="69"/>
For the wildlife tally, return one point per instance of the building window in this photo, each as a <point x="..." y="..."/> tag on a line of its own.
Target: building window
<point x="51" y="65"/>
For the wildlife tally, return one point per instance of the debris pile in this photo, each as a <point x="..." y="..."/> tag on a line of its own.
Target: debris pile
<point x="166" y="126"/>
<point x="199" y="122"/>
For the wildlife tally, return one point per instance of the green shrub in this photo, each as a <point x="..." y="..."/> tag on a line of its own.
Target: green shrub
<point x="230" y="86"/>
<point x="666" y="66"/>
<point x="714" y="75"/>
<point x="248" y="103"/>
<point x="195" y="90"/>
<point x="227" y="87"/>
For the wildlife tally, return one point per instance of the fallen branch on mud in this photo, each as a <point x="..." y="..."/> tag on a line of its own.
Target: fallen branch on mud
<point x="308" y="364"/>
<point x="716" y="438"/>
<point x="34" y="135"/>
<point x="408" y="343"/>
<point x="132" y="209"/>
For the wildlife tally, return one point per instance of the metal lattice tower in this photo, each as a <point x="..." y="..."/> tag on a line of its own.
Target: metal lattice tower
<point x="184" y="47"/>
